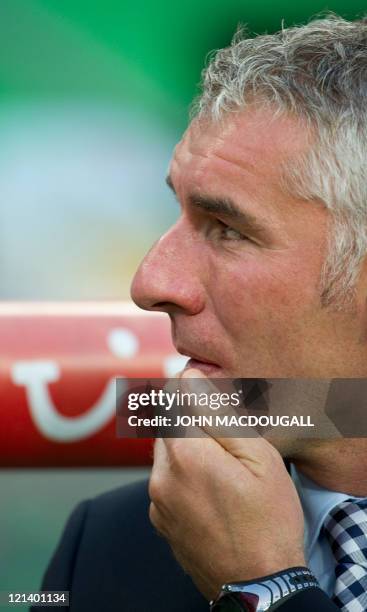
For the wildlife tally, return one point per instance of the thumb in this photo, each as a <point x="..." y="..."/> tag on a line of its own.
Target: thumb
<point x="252" y="450"/>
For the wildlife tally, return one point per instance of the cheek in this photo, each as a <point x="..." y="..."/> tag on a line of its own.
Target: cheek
<point x="260" y="296"/>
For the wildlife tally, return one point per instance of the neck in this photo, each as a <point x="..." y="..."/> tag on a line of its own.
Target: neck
<point x="338" y="465"/>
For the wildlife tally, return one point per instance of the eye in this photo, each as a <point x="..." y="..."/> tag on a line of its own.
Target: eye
<point x="229" y="233"/>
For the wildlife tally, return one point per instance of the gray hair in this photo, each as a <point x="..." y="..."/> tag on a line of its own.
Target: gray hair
<point x="317" y="72"/>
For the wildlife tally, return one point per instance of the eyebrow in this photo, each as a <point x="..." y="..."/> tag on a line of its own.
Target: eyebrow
<point x="225" y="207"/>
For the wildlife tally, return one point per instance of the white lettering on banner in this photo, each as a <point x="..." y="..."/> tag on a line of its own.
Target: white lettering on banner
<point x="35" y="376"/>
<point x="122" y="343"/>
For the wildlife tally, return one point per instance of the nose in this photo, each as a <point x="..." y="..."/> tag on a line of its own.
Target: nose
<point x="168" y="279"/>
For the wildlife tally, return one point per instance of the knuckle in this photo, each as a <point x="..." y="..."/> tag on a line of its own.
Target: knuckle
<point x="156" y="519"/>
<point x="179" y="454"/>
<point x="153" y="514"/>
<point x="155" y="487"/>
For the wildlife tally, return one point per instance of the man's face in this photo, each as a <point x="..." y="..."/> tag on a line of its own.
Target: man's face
<point x="239" y="273"/>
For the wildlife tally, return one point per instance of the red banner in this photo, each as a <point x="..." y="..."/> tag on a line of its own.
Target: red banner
<point x="58" y="363"/>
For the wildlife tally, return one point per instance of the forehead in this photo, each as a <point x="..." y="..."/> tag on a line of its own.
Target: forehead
<point x="253" y="144"/>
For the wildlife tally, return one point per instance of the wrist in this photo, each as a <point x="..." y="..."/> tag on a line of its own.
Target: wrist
<point x="265" y="593"/>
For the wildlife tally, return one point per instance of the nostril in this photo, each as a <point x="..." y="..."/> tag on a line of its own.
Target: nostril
<point x="169" y="308"/>
<point x="161" y="305"/>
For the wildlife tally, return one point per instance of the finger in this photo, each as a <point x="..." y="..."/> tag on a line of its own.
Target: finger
<point x="175" y="387"/>
<point x="160" y="458"/>
<point x="196" y="384"/>
<point x="250" y="450"/>
<point x="159" y="474"/>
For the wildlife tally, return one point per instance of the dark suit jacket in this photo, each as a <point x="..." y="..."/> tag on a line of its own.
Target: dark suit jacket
<point x="110" y="558"/>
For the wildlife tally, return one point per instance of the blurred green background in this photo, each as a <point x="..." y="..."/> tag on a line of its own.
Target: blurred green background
<point x="93" y="97"/>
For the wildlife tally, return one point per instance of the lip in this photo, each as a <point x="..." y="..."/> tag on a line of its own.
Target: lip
<point x="207" y="368"/>
<point x="199" y="362"/>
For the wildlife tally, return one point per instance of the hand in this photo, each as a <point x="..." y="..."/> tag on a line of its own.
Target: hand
<point x="227" y="506"/>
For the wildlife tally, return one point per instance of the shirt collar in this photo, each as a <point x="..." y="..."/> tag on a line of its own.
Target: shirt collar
<point x="316" y="503"/>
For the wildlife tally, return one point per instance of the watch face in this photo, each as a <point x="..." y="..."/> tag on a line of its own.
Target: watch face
<point x="228" y="603"/>
<point x="236" y="602"/>
<point x="250" y="600"/>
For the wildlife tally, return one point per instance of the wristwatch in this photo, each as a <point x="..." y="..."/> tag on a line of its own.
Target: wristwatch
<point x="267" y="593"/>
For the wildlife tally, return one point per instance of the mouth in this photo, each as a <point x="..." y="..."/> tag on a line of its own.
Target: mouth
<point x="209" y="369"/>
<point x="197" y="362"/>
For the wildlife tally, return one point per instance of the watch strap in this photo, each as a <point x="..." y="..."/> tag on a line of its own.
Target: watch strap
<point x="266" y="593"/>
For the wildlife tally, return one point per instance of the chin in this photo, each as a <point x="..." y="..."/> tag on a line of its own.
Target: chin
<point x="292" y="448"/>
<point x="300" y="449"/>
